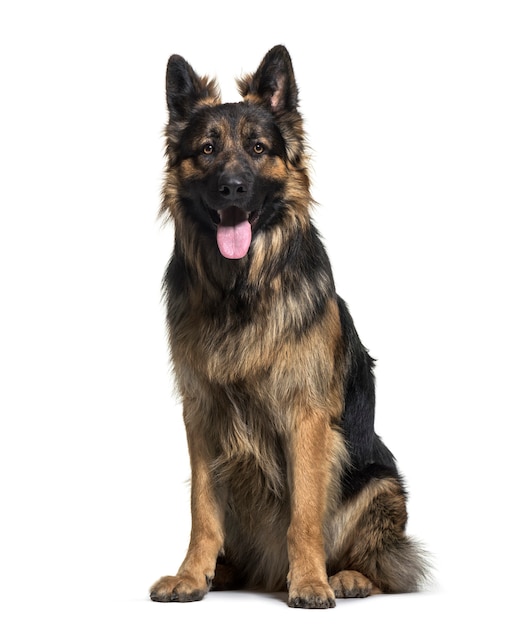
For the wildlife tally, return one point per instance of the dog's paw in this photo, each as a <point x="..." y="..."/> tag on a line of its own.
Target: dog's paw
<point x="312" y="595"/>
<point x="179" y="589"/>
<point x="351" y="584"/>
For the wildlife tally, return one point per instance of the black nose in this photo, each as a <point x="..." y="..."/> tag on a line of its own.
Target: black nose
<point x="232" y="187"/>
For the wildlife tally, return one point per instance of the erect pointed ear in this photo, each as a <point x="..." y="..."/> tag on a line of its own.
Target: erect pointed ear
<point x="184" y="88"/>
<point x="273" y="82"/>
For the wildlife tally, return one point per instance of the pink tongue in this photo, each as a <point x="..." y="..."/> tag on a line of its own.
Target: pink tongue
<point x="234" y="234"/>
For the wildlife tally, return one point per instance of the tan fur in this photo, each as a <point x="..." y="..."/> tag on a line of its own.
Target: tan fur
<point x="207" y="533"/>
<point x="342" y="527"/>
<point x="311" y="473"/>
<point x="351" y="584"/>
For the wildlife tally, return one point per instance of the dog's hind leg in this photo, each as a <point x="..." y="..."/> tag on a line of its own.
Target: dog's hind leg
<point x="352" y="584"/>
<point x="368" y="550"/>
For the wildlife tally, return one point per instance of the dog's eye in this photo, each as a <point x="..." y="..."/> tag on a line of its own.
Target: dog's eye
<point x="208" y="148"/>
<point x="258" y="148"/>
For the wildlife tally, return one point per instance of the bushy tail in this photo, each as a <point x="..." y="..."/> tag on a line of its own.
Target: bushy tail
<point x="403" y="567"/>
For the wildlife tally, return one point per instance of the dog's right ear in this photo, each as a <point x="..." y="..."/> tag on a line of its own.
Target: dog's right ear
<point x="185" y="89"/>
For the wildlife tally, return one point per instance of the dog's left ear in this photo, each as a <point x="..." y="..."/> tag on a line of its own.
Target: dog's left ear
<point x="273" y="82"/>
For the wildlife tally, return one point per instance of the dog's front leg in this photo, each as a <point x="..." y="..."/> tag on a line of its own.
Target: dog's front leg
<point x="310" y="478"/>
<point x="195" y="575"/>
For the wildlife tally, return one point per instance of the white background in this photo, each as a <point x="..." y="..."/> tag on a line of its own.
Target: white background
<point x="414" y="113"/>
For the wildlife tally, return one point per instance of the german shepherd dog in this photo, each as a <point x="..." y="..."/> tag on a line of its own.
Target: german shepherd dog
<point x="290" y="485"/>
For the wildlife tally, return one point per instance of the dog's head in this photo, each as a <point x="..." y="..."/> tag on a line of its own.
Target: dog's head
<point x="235" y="171"/>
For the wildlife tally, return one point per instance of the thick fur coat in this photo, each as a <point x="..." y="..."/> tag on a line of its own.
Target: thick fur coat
<point x="291" y="487"/>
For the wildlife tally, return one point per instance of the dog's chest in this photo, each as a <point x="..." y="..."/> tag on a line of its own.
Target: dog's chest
<point x="248" y="444"/>
<point x="231" y="340"/>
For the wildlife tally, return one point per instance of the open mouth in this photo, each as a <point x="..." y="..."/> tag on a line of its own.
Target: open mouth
<point x="234" y="231"/>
